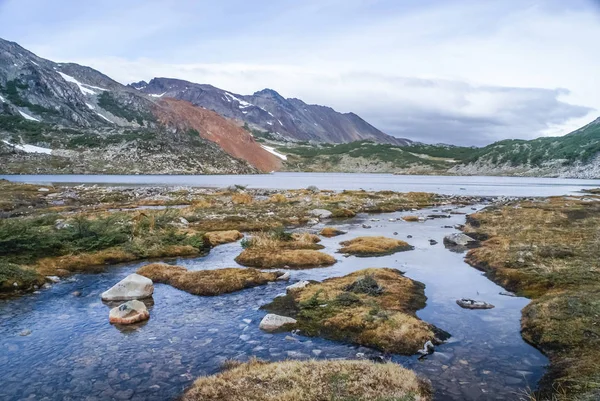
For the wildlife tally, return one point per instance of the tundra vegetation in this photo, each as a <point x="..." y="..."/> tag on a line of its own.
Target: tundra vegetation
<point x="207" y="282"/>
<point x="371" y="307"/>
<point x="310" y="381"/>
<point x="373" y="246"/>
<point x="549" y="251"/>
<point x="57" y="230"/>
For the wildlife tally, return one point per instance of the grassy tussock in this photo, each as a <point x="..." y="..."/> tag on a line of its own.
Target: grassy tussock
<point x="383" y="319"/>
<point x="550" y="251"/>
<point x="207" y="282"/>
<point x="241" y="199"/>
<point x="278" y="239"/>
<point x="373" y="246"/>
<point x="24" y="277"/>
<point x="266" y="258"/>
<point x="311" y="381"/>
<point x="278" y="198"/>
<point x="222" y="237"/>
<point x="410" y="218"/>
<point x="331" y="232"/>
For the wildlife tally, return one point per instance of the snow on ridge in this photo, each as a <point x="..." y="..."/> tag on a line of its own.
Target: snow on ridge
<point x="83" y="89"/>
<point x="103" y="117"/>
<point x="30" y="148"/>
<point x="91" y="107"/>
<point x="28" y="117"/>
<point x="274" y="152"/>
<point x="33" y="62"/>
<point x="242" y="103"/>
<point x="155" y="95"/>
<point x="1" y="99"/>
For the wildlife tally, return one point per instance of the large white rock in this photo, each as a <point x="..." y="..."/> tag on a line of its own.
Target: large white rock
<point x="273" y="322"/>
<point x="459" y="239"/>
<point x="128" y="313"/>
<point x="298" y="285"/>
<point x="133" y="286"/>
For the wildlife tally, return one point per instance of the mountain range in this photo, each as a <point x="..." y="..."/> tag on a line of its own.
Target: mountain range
<point x="67" y="118"/>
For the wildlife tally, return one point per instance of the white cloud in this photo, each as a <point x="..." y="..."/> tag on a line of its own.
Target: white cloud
<point x="432" y="71"/>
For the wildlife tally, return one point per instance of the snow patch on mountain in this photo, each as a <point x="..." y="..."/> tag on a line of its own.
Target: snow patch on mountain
<point x="274" y="152"/>
<point x="155" y="95"/>
<point x="28" y="117"/>
<point x="84" y="88"/>
<point x="30" y="148"/>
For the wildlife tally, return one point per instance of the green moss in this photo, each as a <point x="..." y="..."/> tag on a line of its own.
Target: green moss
<point x="24" y="278"/>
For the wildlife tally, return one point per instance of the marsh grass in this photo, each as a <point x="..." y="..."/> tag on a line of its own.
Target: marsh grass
<point x="207" y="282"/>
<point x="380" y="314"/>
<point x="550" y="251"/>
<point x="373" y="246"/>
<point x="311" y="381"/>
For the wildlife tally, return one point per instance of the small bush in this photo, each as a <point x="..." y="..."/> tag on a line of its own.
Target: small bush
<point x="365" y="285"/>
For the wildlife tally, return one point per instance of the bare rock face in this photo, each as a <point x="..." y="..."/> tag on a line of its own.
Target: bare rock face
<point x="128" y="313"/>
<point x="272" y="322"/>
<point x="459" y="242"/>
<point x="133" y="286"/>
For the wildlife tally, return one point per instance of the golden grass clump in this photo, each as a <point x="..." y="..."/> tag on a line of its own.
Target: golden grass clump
<point x="311" y="381"/>
<point x="241" y="198"/>
<point x="268" y="258"/>
<point x="550" y="251"/>
<point x="373" y="246"/>
<point x="215" y="238"/>
<point x="372" y="307"/>
<point x="331" y="232"/>
<point x="278" y="198"/>
<point x="343" y="213"/>
<point x="306" y="238"/>
<point x="410" y="218"/>
<point x="207" y="282"/>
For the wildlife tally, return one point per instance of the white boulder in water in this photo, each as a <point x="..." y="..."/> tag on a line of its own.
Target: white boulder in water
<point x="130" y="312"/>
<point x="273" y="322"/>
<point x="133" y="286"/>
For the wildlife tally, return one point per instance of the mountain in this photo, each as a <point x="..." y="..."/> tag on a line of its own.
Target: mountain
<point x="67" y="118"/>
<point x="270" y="112"/>
<point x="575" y="155"/>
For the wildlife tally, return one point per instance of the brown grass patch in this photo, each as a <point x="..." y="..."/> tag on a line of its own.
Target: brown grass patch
<point x="331" y="232"/>
<point x="215" y="238"/>
<point x="278" y="198"/>
<point x="207" y="282"/>
<point x="340" y="309"/>
<point x="373" y="246"/>
<point x="311" y="381"/>
<point x="410" y="218"/>
<point x="343" y="213"/>
<point x="97" y="261"/>
<point x="241" y="199"/>
<point x="268" y="258"/>
<point x="550" y="251"/>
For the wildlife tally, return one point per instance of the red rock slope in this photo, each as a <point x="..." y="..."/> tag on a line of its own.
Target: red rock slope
<point x="231" y="138"/>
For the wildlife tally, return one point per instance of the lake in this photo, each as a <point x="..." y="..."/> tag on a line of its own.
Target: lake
<point x="449" y="185"/>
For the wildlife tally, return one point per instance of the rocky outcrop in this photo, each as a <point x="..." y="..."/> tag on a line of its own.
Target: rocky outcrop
<point x="133" y="286"/>
<point x="459" y="242"/>
<point x="128" y="313"/>
<point x="472" y="304"/>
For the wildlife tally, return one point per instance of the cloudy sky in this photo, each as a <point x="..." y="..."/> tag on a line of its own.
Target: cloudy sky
<point x="453" y="71"/>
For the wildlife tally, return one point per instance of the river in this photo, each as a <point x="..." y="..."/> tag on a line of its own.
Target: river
<point x="73" y="353"/>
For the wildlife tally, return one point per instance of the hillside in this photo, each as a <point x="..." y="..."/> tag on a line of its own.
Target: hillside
<point x="267" y="110"/>
<point x="573" y="155"/>
<point x="67" y="118"/>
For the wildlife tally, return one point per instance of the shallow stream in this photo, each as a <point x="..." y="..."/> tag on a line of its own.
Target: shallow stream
<point x="73" y="353"/>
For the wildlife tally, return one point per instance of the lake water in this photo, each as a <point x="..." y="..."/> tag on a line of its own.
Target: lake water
<point x="449" y="185"/>
<point x="73" y="353"/>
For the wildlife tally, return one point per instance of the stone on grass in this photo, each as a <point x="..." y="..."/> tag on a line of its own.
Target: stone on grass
<point x="133" y="286"/>
<point x="321" y="213"/>
<point x="298" y="285"/>
<point x="272" y="322"/>
<point x="130" y="312"/>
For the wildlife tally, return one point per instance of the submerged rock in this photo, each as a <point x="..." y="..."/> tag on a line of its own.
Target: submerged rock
<point x="133" y="286"/>
<point x="472" y="304"/>
<point x="272" y="323"/>
<point x="130" y="312"/>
